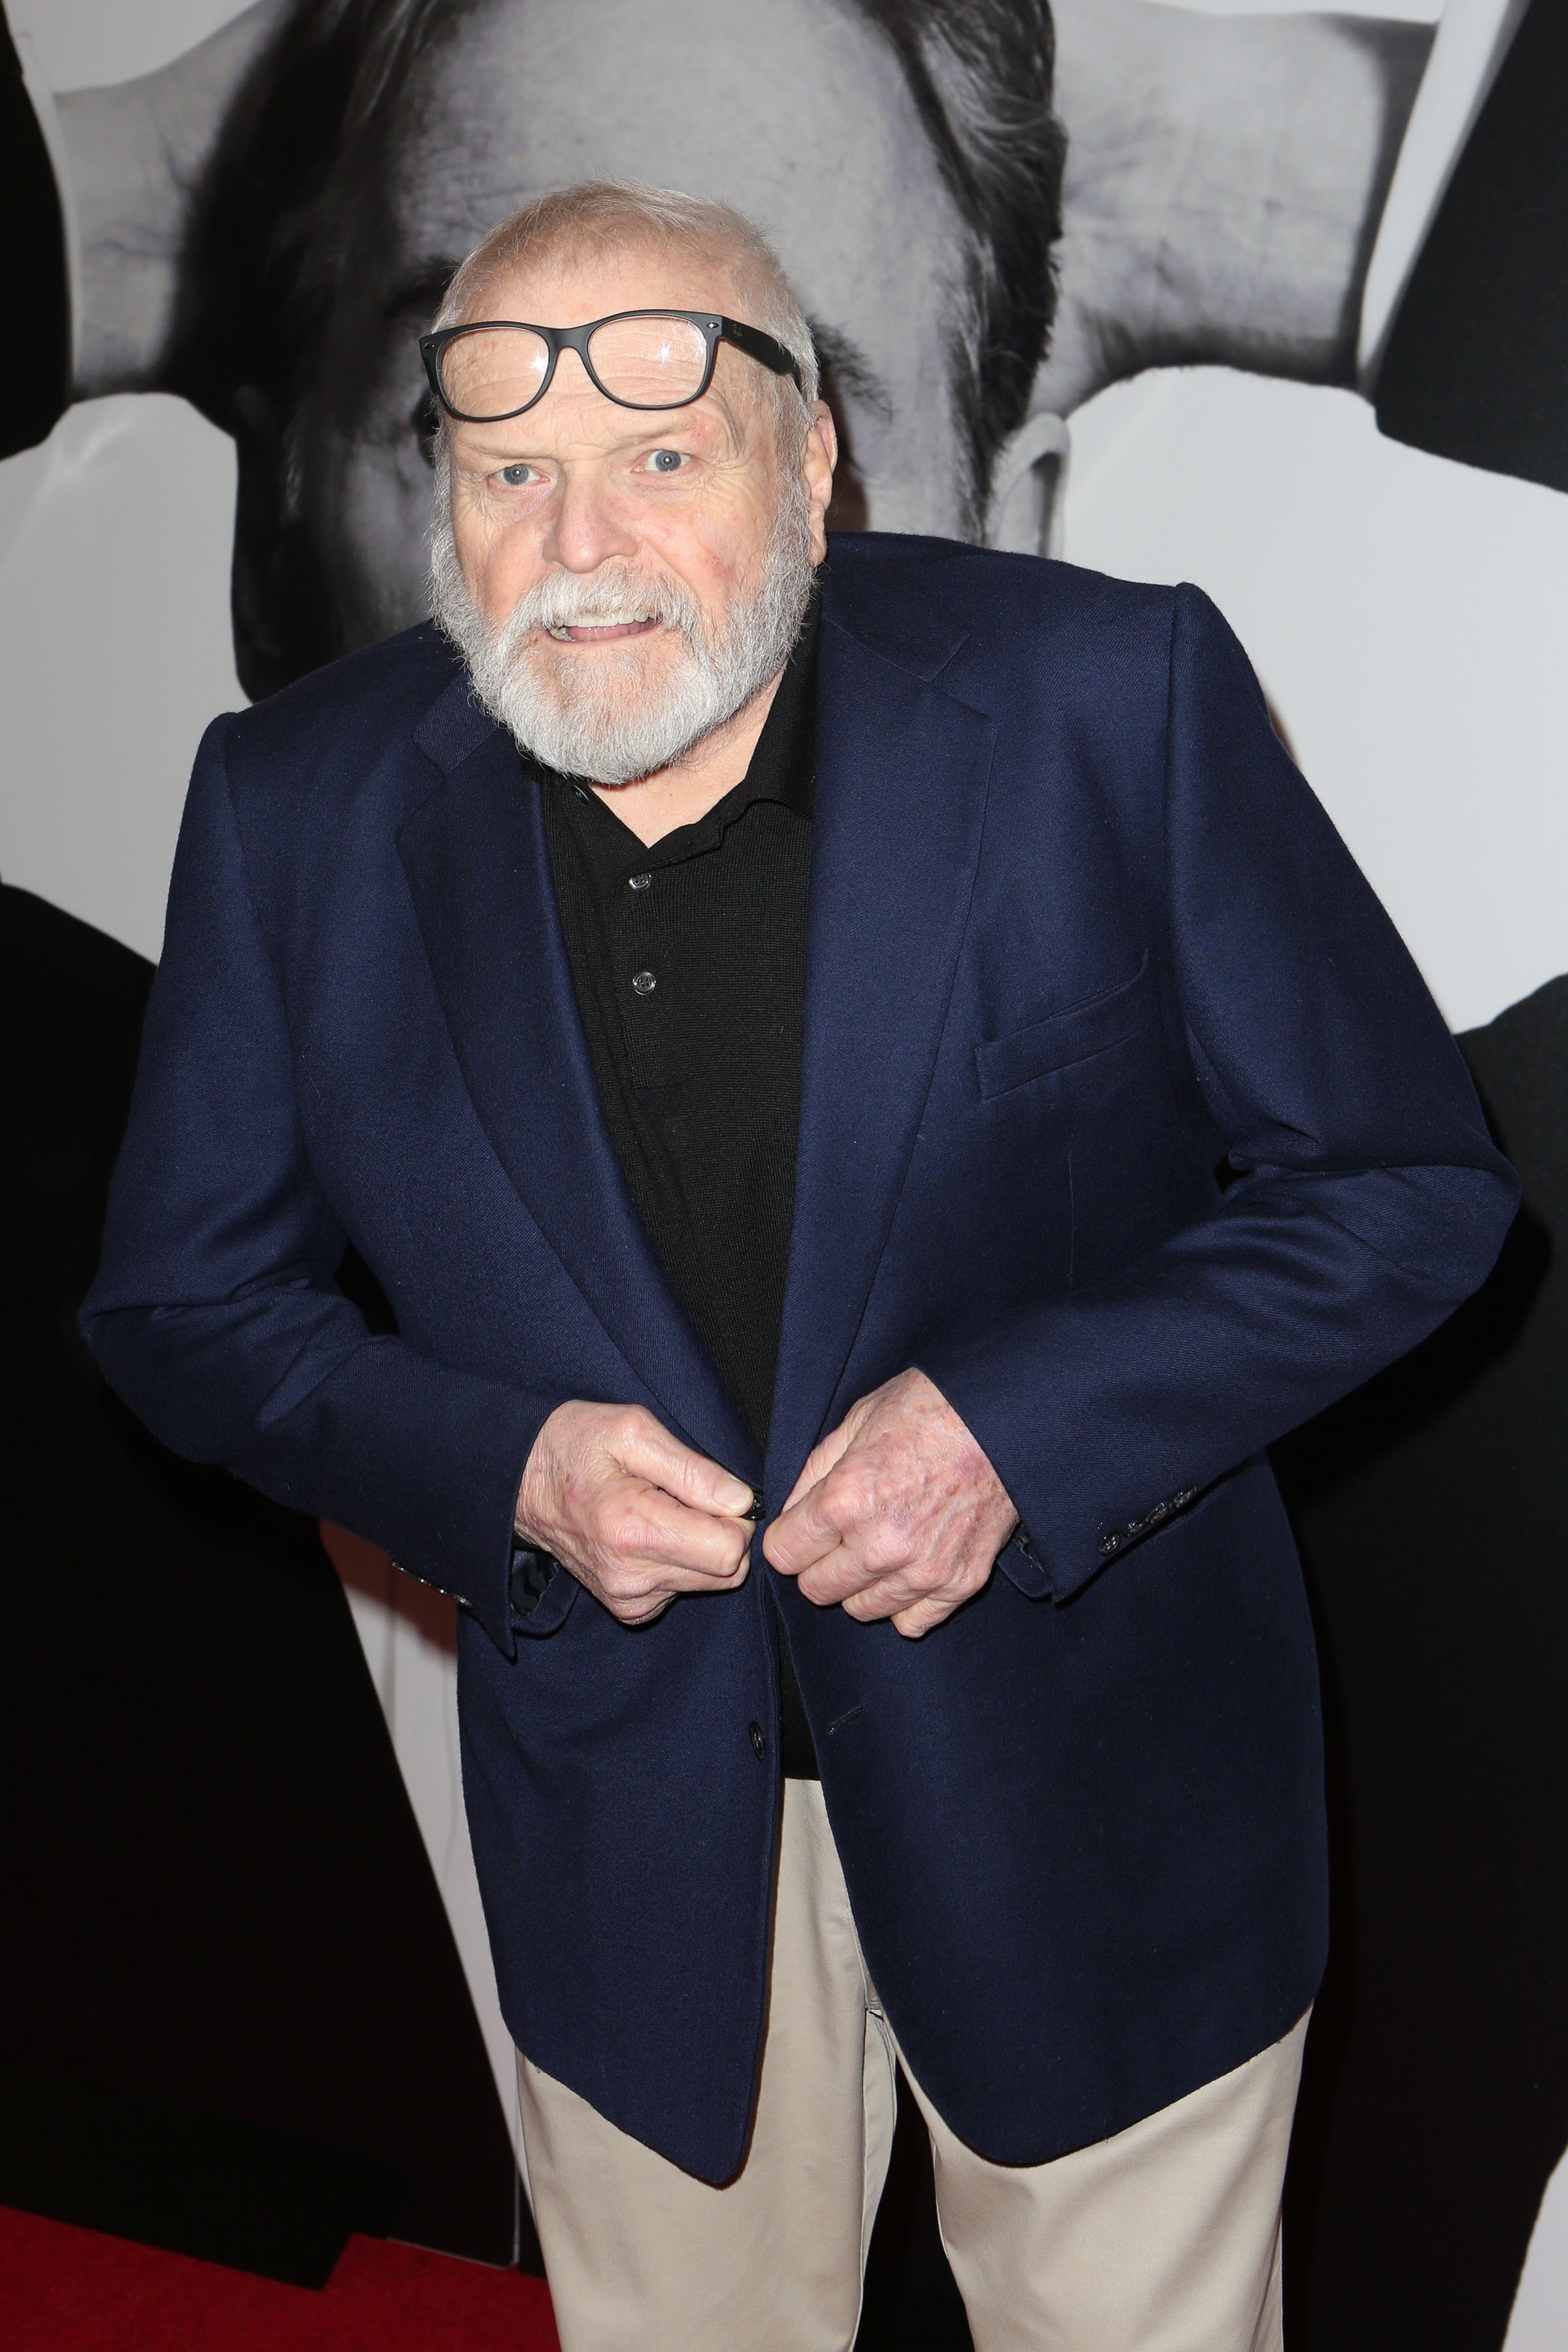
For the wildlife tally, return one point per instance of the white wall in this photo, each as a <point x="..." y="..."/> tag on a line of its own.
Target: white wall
<point x="1405" y="616"/>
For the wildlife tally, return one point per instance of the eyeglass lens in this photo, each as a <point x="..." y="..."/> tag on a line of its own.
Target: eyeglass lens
<point x="643" y="361"/>
<point x="494" y="371"/>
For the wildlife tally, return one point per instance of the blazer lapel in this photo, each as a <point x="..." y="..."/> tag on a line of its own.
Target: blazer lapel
<point x="478" y="867"/>
<point x="901" y="775"/>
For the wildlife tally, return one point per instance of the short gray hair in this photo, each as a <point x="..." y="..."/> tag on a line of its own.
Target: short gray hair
<point x="604" y="217"/>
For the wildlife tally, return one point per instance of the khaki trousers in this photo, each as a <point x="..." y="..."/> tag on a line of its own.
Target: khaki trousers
<point x="1163" y="2239"/>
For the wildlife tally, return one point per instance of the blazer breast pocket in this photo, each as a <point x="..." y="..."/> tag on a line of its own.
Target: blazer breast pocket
<point x="1075" y="1035"/>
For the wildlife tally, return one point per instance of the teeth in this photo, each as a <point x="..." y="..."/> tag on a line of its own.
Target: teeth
<point x="562" y="630"/>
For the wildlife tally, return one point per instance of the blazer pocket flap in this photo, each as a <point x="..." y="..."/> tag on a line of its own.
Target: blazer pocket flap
<point x="1062" y="1038"/>
<point x="551" y="1610"/>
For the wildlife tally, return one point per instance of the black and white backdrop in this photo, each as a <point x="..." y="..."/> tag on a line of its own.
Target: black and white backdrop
<point x="1295" y="328"/>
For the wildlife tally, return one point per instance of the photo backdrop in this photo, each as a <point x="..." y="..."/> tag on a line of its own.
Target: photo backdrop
<point x="1299" y="331"/>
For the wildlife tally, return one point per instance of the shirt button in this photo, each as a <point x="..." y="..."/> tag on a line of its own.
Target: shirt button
<point x="758" y="1745"/>
<point x="644" y="983"/>
<point x="579" y="792"/>
<point x="640" y="882"/>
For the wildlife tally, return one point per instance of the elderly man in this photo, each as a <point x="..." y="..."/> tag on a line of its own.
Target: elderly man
<point x="885" y="1046"/>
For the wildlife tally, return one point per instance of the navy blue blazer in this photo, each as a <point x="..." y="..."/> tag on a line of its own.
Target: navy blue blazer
<point x="1124" y="1115"/>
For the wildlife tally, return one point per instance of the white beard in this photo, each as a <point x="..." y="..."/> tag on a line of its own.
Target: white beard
<point x="609" y="715"/>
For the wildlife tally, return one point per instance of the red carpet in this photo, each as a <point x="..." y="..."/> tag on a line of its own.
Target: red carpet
<point x="69" y="2290"/>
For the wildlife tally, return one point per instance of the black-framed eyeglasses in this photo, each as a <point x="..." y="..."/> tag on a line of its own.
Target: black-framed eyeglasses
<point x="639" y="359"/>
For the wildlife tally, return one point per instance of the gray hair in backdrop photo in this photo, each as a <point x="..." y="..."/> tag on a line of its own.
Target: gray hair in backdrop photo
<point x="327" y="226"/>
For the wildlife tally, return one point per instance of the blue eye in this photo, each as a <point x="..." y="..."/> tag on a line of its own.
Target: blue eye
<point x="666" y="461"/>
<point x="513" y="475"/>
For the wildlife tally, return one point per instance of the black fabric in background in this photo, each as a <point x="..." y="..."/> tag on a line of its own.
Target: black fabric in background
<point x="1476" y="365"/>
<point x="687" y="963"/>
<point x="235" y="2021"/>
<point x="34" y="382"/>
<point x="1432" y="1511"/>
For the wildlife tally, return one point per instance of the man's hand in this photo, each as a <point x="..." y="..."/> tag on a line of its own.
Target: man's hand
<point x="897" y="1513"/>
<point x="632" y="1512"/>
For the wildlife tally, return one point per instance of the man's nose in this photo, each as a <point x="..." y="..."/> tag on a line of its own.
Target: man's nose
<point x="584" y="527"/>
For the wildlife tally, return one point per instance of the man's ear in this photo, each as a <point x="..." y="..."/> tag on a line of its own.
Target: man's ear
<point x="818" y="458"/>
<point x="1028" y="512"/>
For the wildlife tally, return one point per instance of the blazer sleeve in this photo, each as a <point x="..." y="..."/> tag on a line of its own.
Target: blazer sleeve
<point x="1366" y="1202"/>
<point x="216" y="1314"/>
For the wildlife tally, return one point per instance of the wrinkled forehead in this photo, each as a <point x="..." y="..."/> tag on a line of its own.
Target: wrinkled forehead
<point x="796" y="112"/>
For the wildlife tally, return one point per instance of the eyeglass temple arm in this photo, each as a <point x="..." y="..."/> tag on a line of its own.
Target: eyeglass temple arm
<point x="764" y="348"/>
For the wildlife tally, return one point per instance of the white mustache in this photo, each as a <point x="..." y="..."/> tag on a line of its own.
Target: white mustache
<point x="563" y="601"/>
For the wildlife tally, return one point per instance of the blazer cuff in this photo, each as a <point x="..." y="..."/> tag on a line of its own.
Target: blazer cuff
<point x="1078" y="1524"/>
<point x="1021" y="1564"/>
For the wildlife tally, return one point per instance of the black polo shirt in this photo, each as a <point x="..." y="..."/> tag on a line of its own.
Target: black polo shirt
<point x="688" y="961"/>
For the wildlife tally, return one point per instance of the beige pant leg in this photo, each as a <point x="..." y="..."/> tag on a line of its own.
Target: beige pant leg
<point x="1163" y="2239"/>
<point x="643" y="2258"/>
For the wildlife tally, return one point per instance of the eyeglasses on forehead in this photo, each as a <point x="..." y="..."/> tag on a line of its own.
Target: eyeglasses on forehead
<point x="498" y="368"/>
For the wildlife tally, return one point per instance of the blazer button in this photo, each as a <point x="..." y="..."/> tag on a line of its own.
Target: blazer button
<point x="758" y="1745"/>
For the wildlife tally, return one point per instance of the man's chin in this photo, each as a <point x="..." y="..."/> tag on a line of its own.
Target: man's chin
<point x="599" y="726"/>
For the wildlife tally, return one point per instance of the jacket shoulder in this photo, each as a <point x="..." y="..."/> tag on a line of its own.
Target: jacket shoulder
<point x="345" y="717"/>
<point x="330" y="763"/>
<point x="997" y="595"/>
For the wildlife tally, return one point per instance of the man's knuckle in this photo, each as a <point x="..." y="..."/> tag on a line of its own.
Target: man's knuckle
<point x="884" y="1547"/>
<point x="851" y="1501"/>
<point x="626" y="1535"/>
